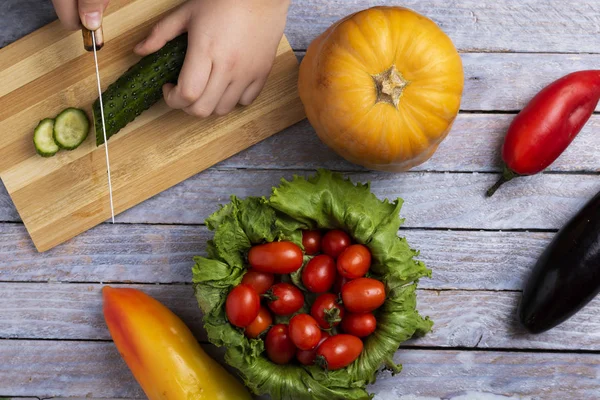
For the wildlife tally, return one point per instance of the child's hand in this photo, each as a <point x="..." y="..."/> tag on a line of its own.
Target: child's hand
<point x="231" y="49"/>
<point x="72" y="13"/>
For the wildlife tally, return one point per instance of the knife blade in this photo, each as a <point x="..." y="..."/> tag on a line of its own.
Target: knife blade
<point x="96" y="44"/>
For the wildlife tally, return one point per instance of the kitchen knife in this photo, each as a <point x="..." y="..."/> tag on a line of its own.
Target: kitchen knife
<point x="93" y="41"/>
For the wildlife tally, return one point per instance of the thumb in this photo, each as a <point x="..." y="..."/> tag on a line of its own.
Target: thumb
<point x="90" y="12"/>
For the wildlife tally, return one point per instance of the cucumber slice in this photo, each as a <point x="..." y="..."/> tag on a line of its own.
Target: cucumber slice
<point x="71" y="127"/>
<point x="43" y="138"/>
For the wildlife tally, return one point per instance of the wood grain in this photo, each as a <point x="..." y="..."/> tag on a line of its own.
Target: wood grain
<point x="473" y="145"/>
<point x="508" y="81"/>
<point x="74" y="311"/>
<point x="517" y="26"/>
<point x="431" y="200"/>
<point x="62" y="197"/>
<point x="525" y="26"/>
<point x="163" y="254"/>
<point x="94" y="370"/>
<point x="464" y="319"/>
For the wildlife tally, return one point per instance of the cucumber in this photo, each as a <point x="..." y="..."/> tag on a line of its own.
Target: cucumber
<point x="43" y="140"/>
<point x="71" y="127"/>
<point x="139" y="88"/>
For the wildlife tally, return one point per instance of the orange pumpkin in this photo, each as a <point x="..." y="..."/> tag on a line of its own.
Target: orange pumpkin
<point x="382" y="87"/>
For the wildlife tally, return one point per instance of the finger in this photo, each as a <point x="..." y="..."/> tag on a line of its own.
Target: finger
<point x="191" y="83"/>
<point x="66" y="10"/>
<point x="166" y="29"/>
<point x="252" y="92"/>
<point x="193" y="78"/>
<point x="90" y="12"/>
<point x="231" y="97"/>
<point x="217" y="84"/>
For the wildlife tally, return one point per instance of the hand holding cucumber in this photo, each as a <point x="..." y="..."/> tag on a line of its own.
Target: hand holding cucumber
<point x="231" y="48"/>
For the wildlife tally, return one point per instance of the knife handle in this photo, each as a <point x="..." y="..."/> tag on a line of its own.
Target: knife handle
<point x="88" y="41"/>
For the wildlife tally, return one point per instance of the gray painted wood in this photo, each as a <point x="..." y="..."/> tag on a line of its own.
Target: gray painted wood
<point x="94" y="370"/>
<point x="431" y="200"/>
<point x="524" y="26"/>
<point x="488" y="320"/>
<point x="474" y="144"/>
<point x="74" y="311"/>
<point x="163" y="254"/>
<point x="513" y="26"/>
<point x="465" y="319"/>
<point x="120" y="253"/>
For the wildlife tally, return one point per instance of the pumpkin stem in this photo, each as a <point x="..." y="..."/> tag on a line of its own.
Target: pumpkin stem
<point x="390" y="84"/>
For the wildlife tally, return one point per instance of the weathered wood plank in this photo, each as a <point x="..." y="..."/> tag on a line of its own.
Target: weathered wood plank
<point x="477" y="319"/>
<point x="469" y="319"/>
<point x="94" y="370"/>
<point x="432" y="200"/>
<point x="548" y="26"/>
<point x="163" y="254"/>
<point x="508" y="81"/>
<point x="74" y="311"/>
<point x="473" y="145"/>
<point x="485" y="375"/>
<point x="54" y="368"/>
<point x="107" y="253"/>
<point x="523" y="26"/>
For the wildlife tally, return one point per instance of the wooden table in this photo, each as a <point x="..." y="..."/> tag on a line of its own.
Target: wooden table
<point x="54" y="341"/>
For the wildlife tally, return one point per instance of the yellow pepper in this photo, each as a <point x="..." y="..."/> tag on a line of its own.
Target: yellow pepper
<point x="162" y="353"/>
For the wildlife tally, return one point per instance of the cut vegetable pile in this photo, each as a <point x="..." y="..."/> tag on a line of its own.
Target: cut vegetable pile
<point x="323" y="257"/>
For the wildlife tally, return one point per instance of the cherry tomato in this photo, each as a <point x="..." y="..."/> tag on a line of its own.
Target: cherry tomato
<point x="287" y="299"/>
<point x="340" y="281"/>
<point x="334" y="242"/>
<point x="311" y="241"/>
<point x="242" y="305"/>
<point x="354" y="261"/>
<point x="327" y="310"/>
<point x="261" y="323"/>
<point x="363" y="295"/>
<point x="339" y="351"/>
<point x="319" y="274"/>
<point x="304" y="332"/>
<point x="260" y="281"/>
<point x="279" y="346"/>
<point x="276" y="257"/>
<point x="361" y="325"/>
<point x="307" y="357"/>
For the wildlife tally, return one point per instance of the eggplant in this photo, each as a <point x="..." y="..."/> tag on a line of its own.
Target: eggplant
<point x="567" y="275"/>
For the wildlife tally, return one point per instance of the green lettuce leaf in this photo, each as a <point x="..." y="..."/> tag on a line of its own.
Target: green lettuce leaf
<point x="324" y="201"/>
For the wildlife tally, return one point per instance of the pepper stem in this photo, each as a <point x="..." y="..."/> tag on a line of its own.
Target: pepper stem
<point x="507" y="175"/>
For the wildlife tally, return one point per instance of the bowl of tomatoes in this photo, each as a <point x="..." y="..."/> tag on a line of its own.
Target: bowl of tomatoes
<point x="311" y="291"/>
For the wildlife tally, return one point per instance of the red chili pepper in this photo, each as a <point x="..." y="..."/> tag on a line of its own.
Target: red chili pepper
<point x="548" y="124"/>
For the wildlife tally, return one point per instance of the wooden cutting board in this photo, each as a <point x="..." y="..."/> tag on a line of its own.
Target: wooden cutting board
<point x="49" y="70"/>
